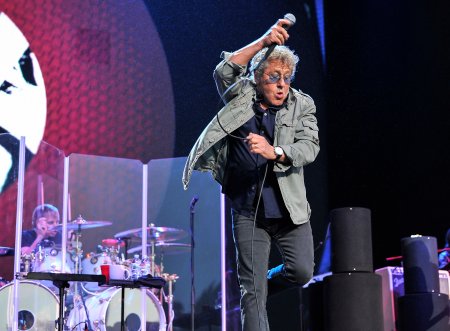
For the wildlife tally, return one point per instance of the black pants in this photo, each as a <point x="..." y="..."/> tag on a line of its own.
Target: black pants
<point x="295" y="243"/>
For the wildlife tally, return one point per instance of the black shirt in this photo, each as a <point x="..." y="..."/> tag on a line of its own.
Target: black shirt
<point x="245" y="171"/>
<point x="29" y="236"/>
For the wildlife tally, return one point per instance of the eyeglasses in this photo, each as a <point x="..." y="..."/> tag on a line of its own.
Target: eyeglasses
<point x="275" y="78"/>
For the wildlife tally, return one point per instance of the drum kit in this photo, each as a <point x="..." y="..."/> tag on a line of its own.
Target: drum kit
<point x="88" y="302"/>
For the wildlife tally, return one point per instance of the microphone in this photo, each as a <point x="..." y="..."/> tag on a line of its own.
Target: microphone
<point x="291" y="18"/>
<point x="194" y="201"/>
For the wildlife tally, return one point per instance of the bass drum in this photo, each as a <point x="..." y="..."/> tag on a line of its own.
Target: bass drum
<point x="38" y="307"/>
<point x="104" y="311"/>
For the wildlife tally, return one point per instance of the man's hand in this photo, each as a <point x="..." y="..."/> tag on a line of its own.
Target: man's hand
<point x="42" y="228"/>
<point x="259" y="145"/>
<point x="276" y="34"/>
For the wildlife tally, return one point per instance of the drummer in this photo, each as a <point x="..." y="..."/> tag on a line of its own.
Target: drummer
<point x="44" y="218"/>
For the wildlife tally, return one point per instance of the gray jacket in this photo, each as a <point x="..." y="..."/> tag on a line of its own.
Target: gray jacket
<point x="296" y="132"/>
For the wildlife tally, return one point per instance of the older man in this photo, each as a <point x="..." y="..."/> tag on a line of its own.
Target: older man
<point x="256" y="148"/>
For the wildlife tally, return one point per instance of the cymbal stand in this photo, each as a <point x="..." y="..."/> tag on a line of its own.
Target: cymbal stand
<point x="161" y="259"/>
<point x="152" y="250"/>
<point x="169" y="299"/>
<point x="78" y="252"/>
<point x="126" y="241"/>
<point x="27" y="260"/>
<point x="113" y="253"/>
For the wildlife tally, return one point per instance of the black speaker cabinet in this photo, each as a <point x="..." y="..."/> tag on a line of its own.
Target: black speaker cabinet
<point x="393" y="288"/>
<point x="420" y="264"/>
<point x="351" y="240"/>
<point x="424" y="312"/>
<point x="353" y="302"/>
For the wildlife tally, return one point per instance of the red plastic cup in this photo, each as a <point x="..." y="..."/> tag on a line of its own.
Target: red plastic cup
<point x="105" y="271"/>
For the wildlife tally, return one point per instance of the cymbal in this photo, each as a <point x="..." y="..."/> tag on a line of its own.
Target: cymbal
<point x="6" y="251"/>
<point x="154" y="233"/>
<point x="83" y="224"/>
<point x="164" y="248"/>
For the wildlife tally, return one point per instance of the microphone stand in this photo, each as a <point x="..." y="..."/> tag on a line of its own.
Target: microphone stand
<point x="192" y="212"/>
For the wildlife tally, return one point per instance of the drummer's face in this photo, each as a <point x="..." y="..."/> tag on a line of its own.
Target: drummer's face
<point x="51" y="221"/>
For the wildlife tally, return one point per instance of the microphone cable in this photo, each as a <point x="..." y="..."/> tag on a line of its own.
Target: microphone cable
<point x="253" y="236"/>
<point x="245" y="79"/>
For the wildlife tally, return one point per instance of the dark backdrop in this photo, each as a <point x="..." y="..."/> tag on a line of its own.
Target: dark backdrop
<point x="388" y="119"/>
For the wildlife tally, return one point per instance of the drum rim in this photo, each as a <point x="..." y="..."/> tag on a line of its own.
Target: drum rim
<point x="34" y="282"/>
<point x="116" y="290"/>
<point x="25" y="305"/>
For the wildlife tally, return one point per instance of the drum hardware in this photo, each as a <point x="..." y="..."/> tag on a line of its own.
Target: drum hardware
<point x="155" y="235"/>
<point x="27" y="261"/>
<point x="162" y="249"/>
<point x="169" y="299"/>
<point x="40" y="255"/>
<point x="77" y="225"/>
<point x="76" y="252"/>
<point x="112" y="248"/>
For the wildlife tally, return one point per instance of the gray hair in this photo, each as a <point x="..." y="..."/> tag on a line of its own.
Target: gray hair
<point x="280" y="53"/>
<point x="44" y="210"/>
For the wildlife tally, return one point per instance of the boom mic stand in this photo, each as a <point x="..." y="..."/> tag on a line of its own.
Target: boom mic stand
<point x="192" y="212"/>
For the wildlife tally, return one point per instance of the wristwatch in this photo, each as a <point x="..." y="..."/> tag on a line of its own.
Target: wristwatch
<point x="278" y="152"/>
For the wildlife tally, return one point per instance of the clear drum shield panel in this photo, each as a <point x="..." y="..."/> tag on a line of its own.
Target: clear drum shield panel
<point x="9" y="162"/>
<point x="106" y="193"/>
<point x="169" y="235"/>
<point x="41" y="212"/>
<point x="104" y="198"/>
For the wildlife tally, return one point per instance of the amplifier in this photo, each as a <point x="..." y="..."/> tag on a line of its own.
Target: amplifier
<point x="393" y="286"/>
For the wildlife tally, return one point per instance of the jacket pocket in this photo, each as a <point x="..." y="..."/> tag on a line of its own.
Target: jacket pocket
<point x="311" y="129"/>
<point x="286" y="133"/>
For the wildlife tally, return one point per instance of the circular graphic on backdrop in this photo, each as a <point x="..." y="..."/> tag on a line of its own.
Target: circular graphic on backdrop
<point x="108" y="84"/>
<point x="22" y="99"/>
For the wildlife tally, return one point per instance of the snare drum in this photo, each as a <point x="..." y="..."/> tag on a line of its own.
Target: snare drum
<point x="38" y="307"/>
<point x="105" y="311"/>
